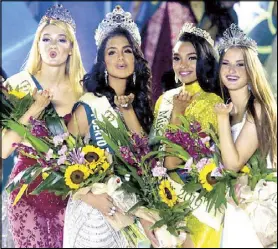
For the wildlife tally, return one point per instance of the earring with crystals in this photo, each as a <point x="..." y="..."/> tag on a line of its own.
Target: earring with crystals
<point x="249" y="87"/>
<point x="176" y="79"/>
<point x="134" y="78"/>
<point x="106" y="77"/>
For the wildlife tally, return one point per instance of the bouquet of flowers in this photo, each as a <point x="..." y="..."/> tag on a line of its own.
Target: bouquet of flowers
<point x="65" y="164"/>
<point x="14" y="103"/>
<point x="144" y="176"/>
<point x="203" y="172"/>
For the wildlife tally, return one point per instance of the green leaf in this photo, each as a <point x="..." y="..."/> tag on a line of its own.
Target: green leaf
<point x="52" y="179"/>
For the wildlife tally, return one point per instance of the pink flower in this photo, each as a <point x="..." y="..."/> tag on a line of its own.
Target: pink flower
<point x="159" y="171"/>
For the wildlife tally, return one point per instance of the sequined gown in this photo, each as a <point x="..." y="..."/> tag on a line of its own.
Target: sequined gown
<point x="85" y="226"/>
<point x="36" y="221"/>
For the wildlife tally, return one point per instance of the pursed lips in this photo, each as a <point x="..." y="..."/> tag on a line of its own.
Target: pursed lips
<point x="52" y="54"/>
<point x="122" y="66"/>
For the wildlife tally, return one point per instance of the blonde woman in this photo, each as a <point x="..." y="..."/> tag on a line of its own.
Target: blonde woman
<point x="248" y="122"/>
<point x="52" y="71"/>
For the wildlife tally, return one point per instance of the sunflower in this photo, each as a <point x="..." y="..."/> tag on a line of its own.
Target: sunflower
<point x="17" y="94"/>
<point x="205" y="178"/>
<point x="167" y="193"/>
<point x="93" y="155"/>
<point x="75" y="175"/>
<point x="245" y="170"/>
<point x="104" y="166"/>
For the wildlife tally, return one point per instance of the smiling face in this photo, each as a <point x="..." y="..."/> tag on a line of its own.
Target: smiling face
<point x="185" y="62"/>
<point x="119" y="57"/>
<point x="233" y="71"/>
<point x="54" y="46"/>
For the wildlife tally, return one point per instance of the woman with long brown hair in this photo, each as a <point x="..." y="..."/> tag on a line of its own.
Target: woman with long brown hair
<point x="247" y="123"/>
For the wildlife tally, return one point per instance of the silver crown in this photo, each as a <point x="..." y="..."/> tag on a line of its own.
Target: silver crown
<point x="233" y="37"/>
<point x="190" y="28"/>
<point x="115" y="19"/>
<point x="59" y="13"/>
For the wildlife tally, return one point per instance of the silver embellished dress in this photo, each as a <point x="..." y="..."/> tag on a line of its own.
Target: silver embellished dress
<point x="86" y="227"/>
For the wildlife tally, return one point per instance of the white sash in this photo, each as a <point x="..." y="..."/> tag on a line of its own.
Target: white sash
<point x="22" y="80"/>
<point x="100" y="107"/>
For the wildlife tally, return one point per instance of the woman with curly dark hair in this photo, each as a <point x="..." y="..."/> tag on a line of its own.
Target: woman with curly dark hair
<point x="118" y="85"/>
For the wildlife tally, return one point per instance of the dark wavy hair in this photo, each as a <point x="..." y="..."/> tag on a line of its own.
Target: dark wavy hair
<point x="95" y="80"/>
<point x="207" y="62"/>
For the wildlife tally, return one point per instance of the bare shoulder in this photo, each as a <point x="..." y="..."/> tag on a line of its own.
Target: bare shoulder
<point x="79" y="122"/>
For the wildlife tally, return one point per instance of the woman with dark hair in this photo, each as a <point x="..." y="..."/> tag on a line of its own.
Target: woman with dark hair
<point x="117" y="85"/>
<point x="195" y="66"/>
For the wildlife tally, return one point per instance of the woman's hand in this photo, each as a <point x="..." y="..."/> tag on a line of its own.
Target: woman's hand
<point x="124" y="102"/>
<point x="42" y="100"/>
<point x="150" y="233"/>
<point x="181" y="101"/>
<point x="102" y="202"/>
<point x="222" y="109"/>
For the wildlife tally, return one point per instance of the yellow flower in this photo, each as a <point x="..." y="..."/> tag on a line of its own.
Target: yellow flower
<point x="245" y="169"/>
<point x="93" y="156"/>
<point x="167" y="193"/>
<point x="204" y="176"/>
<point x="17" y="94"/>
<point x="75" y="175"/>
<point x="45" y="175"/>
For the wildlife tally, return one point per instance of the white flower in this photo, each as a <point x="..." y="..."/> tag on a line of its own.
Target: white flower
<point x="49" y="155"/>
<point x="205" y="139"/>
<point x="200" y="165"/>
<point x="63" y="150"/>
<point x="188" y="164"/>
<point x="61" y="160"/>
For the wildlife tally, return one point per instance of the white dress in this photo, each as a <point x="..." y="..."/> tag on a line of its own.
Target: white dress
<point x="86" y="227"/>
<point x="238" y="231"/>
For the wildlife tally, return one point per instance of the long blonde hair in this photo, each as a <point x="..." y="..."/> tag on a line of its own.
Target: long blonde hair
<point x="74" y="67"/>
<point x="261" y="92"/>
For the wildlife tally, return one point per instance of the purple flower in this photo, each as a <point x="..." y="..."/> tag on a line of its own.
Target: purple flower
<point x="59" y="139"/>
<point x="63" y="150"/>
<point x="195" y="127"/>
<point x="159" y="171"/>
<point x="61" y="160"/>
<point x="25" y="149"/>
<point x="77" y="156"/>
<point x="42" y="162"/>
<point x="39" y="128"/>
<point x="217" y="172"/>
<point x="127" y="155"/>
<point x="200" y="165"/>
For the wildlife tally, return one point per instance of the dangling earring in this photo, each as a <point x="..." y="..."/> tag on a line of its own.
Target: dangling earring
<point x="134" y="78"/>
<point x="249" y="88"/>
<point x="176" y="79"/>
<point x="106" y="77"/>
